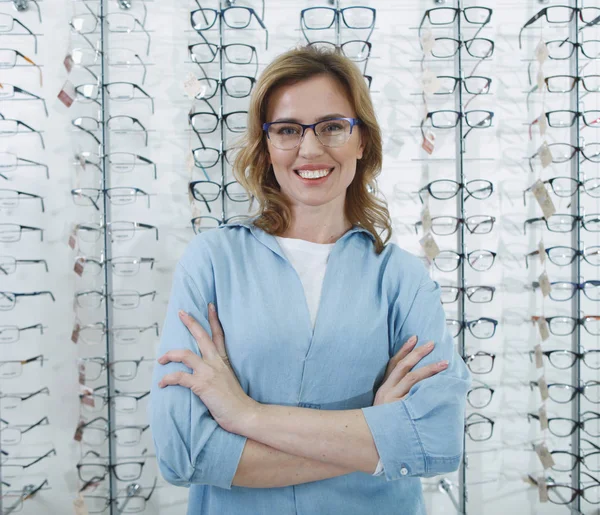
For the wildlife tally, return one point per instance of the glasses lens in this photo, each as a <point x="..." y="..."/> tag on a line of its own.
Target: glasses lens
<point x="477" y="85"/>
<point x="92" y="335"/>
<point x="87" y="92"/>
<point x="124" y="370"/>
<point x="561" y="326"/>
<point x="559" y="494"/>
<point x="207" y="88"/>
<point x="84" y="23"/>
<point x="121" y="196"/>
<point x="125" y="266"/>
<point x="560" y="223"/>
<point x="8" y="127"/>
<point x="318" y="18"/>
<point x="591" y="392"/>
<point x="477" y="15"/>
<point x="591" y="83"/>
<point x="131" y="504"/>
<point x="9" y="334"/>
<point x="561" y="393"/>
<point x="121" y="91"/>
<point x="204" y="223"/>
<point x="127" y="436"/>
<point x="562" y="359"/>
<point x="8" y="162"/>
<point x="85" y="196"/>
<point x="121" y="231"/>
<point x="560" y="83"/>
<point x="7" y="91"/>
<point x="444" y="119"/>
<point x="94" y="435"/>
<point x="592" y="359"/>
<point x="358" y="17"/>
<point x="482" y="328"/>
<point x="204" y="123"/>
<point x="84" y="56"/>
<point x="125" y="404"/>
<point x="120" y="22"/>
<point x="563" y="461"/>
<point x="444" y="225"/>
<point x="592" y="426"/>
<point x="563" y="118"/>
<point x="236" y="192"/>
<point x="447" y="261"/>
<point x="444" y="47"/>
<point x="8" y="58"/>
<point x="333" y="133"/>
<point x="559" y="14"/>
<point x="443" y="189"/>
<point x="205" y="157"/>
<point x="237" y="17"/>
<point x="441" y="15"/>
<point x="206" y="191"/>
<point x="126" y="335"/>
<point x="122" y="124"/>
<point x="10" y="232"/>
<point x="592" y="325"/>
<point x="590" y="254"/>
<point x="7" y="300"/>
<point x="449" y="294"/>
<point x="479" y="189"/>
<point x="8" y="265"/>
<point x="121" y="162"/>
<point x="238" y="53"/>
<point x="10" y="369"/>
<point x="203" y="19"/>
<point x="125" y="299"/>
<point x="123" y="58"/>
<point x="591" y="49"/>
<point x="92" y="299"/>
<point x="357" y="51"/>
<point x="91" y="471"/>
<point x="237" y="121"/>
<point x="453" y="326"/>
<point x="96" y="503"/>
<point x="562" y="290"/>
<point x="479" y="47"/>
<point x="478" y="119"/>
<point x="284" y="136"/>
<point x="9" y="199"/>
<point x="92" y="369"/>
<point x="128" y="471"/>
<point x="480" y="431"/>
<point x="480" y="294"/>
<point x="238" y="86"/>
<point x="480" y="396"/>
<point x="561" y="426"/>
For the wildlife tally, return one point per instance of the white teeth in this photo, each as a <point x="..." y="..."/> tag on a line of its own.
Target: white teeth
<point x="313" y="174"/>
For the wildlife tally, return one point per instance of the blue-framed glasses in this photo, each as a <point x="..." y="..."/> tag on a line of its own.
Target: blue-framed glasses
<point x="333" y="132"/>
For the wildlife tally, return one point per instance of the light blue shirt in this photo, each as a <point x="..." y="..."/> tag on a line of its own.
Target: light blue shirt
<point x="370" y="305"/>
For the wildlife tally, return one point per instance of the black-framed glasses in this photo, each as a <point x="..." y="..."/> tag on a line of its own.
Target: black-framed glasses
<point x="235" y="53"/>
<point x="117" y="124"/>
<point x="235" y="86"/>
<point x="8" y="299"/>
<point x="118" y="230"/>
<point x="121" y="299"/>
<point x="129" y="502"/>
<point x="563" y="256"/>
<point x="12" y="333"/>
<point x="10" y="199"/>
<point x="12" y="368"/>
<point x="9" y="162"/>
<point x="481" y="362"/>
<point x="564" y="359"/>
<point x="561" y="118"/>
<point x="7" y="24"/>
<point x="8" y="264"/>
<point x="567" y="187"/>
<point x="209" y="191"/>
<point x="322" y="18"/>
<point x="7" y="93"/>
<point x="562" y="493"/>
<point x="12" y="434"/>
<point x="206" y="122"/>
<point x="118" y="91"/>
<point x="473" y="84"/>
<point x="563" y="393"/>
<point x="481" y="328"/>
<point x="562" y="426"/>
<point x="479" y="260"/>
<point x="564" y="325"/>
<point x="118" y="196"/>
<point x="479" y="48"/>
<point x="565" y="290"/>
<point x="288" y="135"/>
<point x="121" y="370"/>
<point x="560" y="49"/>
<point x="561" y="14"/>
<point x="236" y="17"/>
<point x="15" y="400"/>
<point x="12" y="232"/>
<point x="480" y="396"/>
<point x="123" y="471"/>
<point x="476" y="294"/>
<point x="123" y="266"/>
<point x="447" y="225"/>
<point x="11" y="127"/>
<point x="207" y="157"/>
<point x="445" y="189"/>
<point x="97" y="435"/>
<point x="566" y="83"/>
<point x="206" y="223"/>
<point x="448" y="119"/>
<point x="93" y="334"/>
<point x="479" y="427"/>
<point x="566" y="223"/>
<point x="565" y="461"/>
<point x="447" y="16"/>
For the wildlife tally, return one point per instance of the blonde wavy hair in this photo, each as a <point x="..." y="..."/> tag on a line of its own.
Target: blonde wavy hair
<point x="251" y="166"/>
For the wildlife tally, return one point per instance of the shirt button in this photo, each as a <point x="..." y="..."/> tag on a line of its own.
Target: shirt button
<point x="404" y="471"/>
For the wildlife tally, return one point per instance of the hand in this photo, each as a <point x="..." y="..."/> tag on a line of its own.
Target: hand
<point x="213" y="379"/>
<point x="399" y="377"/>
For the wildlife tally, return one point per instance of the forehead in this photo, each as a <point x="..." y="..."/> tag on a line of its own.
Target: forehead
<point x="309" y="100"/>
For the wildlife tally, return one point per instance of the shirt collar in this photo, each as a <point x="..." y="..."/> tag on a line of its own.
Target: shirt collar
<point x="269" y="240"/>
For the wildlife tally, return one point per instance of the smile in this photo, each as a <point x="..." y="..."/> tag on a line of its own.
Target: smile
<point x="314" y="174"/>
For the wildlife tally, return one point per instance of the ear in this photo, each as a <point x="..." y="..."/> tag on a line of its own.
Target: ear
<point x="361" y="144"/>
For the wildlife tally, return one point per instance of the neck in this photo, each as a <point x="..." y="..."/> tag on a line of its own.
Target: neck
<point x="317" y="229"/>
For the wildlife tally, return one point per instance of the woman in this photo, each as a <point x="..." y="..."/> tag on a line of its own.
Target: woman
<point x="313" y="304"/>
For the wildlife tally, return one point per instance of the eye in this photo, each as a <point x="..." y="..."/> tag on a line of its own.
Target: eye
<point x="287" y="130"/>
<point x="333" y="126"/>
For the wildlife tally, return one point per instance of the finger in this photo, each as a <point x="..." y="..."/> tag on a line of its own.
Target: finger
<point x="404" y="350"/>
<point x="406" y="365"/>
<point x="176" y="378"/>
<point x="204" y="342"/>
<point x="414" y="376"/>
<point x="218" y="337"/>
<point x="187" y="357"/>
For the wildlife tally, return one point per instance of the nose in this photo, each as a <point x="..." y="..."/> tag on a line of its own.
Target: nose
<point x="310" y="145"/>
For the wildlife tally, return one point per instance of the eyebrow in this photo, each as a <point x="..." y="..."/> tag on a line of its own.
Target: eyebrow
<point x="320" y="119"/>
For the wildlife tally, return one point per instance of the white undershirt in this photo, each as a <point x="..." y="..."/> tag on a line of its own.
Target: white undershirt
<point x="310" y="261"/>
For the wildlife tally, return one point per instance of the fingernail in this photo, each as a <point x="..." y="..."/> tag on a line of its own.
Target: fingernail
<point x="412" y="340"/>
<point x="160" y="384"/>
<point x="182" y="314"/>
<point x="442" y="364"/>
<point x="429" y="345"/>
<point x="211" y="306"/>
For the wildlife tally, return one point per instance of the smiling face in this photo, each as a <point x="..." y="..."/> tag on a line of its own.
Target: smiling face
<point x="307" y="102"/>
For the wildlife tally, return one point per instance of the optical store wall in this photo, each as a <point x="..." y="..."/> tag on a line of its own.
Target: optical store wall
<point x="110" y="109"/>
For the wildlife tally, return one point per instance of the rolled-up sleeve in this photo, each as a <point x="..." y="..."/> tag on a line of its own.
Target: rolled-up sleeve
<point x="191" y="448"/>
<point x="422" y="435"/>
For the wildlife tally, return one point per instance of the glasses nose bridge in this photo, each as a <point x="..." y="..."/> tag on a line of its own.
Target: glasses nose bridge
<point x="305" y="129"/>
